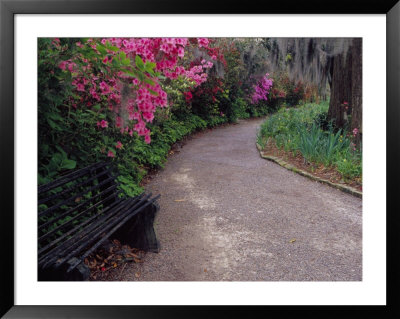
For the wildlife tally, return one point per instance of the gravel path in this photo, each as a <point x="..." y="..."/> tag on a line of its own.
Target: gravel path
<point x="227" y="214"/>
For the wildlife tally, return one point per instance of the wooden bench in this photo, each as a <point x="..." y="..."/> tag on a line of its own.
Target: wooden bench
<point x="79" y="212"/>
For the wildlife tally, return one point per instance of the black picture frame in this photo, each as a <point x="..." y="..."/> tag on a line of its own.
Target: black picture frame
<point x="8" y="8"/>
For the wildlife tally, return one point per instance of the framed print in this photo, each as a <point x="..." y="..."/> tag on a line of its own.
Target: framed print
<point x="368" y="279"/>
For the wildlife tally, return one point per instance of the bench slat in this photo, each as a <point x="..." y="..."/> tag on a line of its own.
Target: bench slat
<point x="89" y="233"/>
<point x="68" y="177"/>
<point x="74" y="197"/>
<point x="112" y="231"/>
<point x="82" y="229"/>
<point x="81" y="205"/>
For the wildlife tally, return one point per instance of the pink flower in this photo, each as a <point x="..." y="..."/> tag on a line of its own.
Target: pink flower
<point x="261" y="89"/>
<point x="104" y="88"/>
<point x="188" y="96"/>
<point x="102" y="124"/>
<point x="147" y="139"/>
<point x="181" y="52"/>
<point x="71" y="66"/>
<point x="80" y="87"/>
<point x="148" y="116"/>
<point x="135" y="81"/>
<point x="203" y="42"/>
<point x="119" y="121"/>
<point x="119" y="145"/>
<point x="355" y="131"/>
<point x="110" y="154"/>
<point x="63" y="65"/>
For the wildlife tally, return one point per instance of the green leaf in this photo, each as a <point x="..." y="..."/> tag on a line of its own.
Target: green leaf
<point x="126" y="61"/>
<point x="61" y="151"/>
<point x="115" y="62"/>
<point x="139" y="63"/>
<point x="122" y="55"/>
<point x="113" y="48"/>
<point x="53" y="125"/>
<point x="132" y="73"/>
<point x="96" y="107"/>
<point x="148" y="81"/>
<point x="149" y="66"/>
<point x="55" y="116"/>
<point x="68" y="164"/>
<point x="101" y="49"/>
<point x="153" y="92"/>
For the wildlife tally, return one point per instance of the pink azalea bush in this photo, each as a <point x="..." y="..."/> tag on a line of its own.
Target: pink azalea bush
<point x="123" y="78"/>
<point x="261" y="89"/>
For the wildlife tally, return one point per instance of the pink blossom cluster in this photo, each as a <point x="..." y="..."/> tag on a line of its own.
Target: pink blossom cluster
<point x="67" y="65"/>
<point x="261" y="89"/>
<point x="101" y="86"/>
<point x="197" y="74"/>
<point x="203" y="42"/>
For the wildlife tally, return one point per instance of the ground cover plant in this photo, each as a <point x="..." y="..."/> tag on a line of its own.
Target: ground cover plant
<point x="305" y="131"/>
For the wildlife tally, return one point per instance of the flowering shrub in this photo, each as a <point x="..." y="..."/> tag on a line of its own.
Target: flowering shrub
<point x="124" y="74"/>
<point x="261" y="89"/>
<point x="98" y="96"/>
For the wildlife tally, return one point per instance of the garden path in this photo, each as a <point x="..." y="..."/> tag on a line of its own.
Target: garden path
<point x="227" y="214"/>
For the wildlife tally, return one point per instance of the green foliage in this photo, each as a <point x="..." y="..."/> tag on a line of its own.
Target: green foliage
<point x="302" y="130"/>
<point x="239" y="110"/>
<point x="350" y="166"/>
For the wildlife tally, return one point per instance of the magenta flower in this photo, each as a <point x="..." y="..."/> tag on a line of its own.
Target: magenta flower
<point x="203" y="42"/>
<point x="104" y="88"/>
<point x="181" y="52"/>
<point x="102" y="124"/>
<point x="110" y="154"/>
<point x="80" y="87"/>
<point x="119" y="145"/>
<point x="261" y="89"/>
<point x="63" y="65"/>
<point x="148" y="116"/>
<point x="147" y="139"/>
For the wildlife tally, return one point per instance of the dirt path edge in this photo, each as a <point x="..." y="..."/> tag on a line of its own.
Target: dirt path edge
<point x="346" y="189"/>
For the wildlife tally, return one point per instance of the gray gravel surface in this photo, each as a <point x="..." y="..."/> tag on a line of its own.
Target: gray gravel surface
<point x="229" y="215"/>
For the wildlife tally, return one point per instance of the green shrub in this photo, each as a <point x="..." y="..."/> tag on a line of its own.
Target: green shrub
<point x="306" y="130"/>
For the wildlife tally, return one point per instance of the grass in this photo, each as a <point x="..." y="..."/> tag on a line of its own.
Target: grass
<point x="304" y="130"/>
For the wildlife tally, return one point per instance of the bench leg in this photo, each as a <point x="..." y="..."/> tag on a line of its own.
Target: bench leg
<point x="139" y="232"/>
<point x="80" y="273"/>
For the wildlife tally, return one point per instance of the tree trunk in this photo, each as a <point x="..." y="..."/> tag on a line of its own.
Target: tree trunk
<point x="356" y="96"/>
<point x="341" y="88"/>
